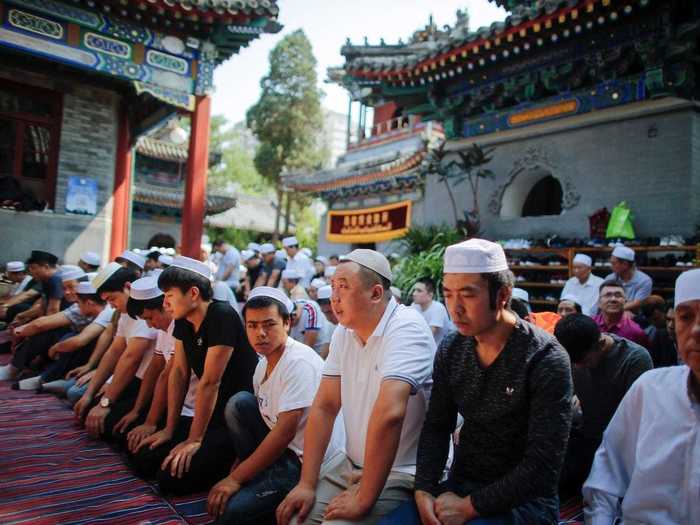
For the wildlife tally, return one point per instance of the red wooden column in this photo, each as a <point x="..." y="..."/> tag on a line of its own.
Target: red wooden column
<point x="196" y="182"/>
<point x="122" y="188"/>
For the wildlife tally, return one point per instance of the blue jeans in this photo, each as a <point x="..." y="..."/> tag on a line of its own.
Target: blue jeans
<point x="75" y="392"/>
<point x="539" y="511"/>
<point x="256" y="502"/>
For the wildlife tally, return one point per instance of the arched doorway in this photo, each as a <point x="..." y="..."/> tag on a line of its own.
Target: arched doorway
<point x="544" y="198"/>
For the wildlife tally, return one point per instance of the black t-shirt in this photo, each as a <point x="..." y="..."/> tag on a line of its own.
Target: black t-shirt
<point x="222" y="326"/>
<point x="253" y="274"/>
<point x="53" y="289"/>
<point x="276" y="264"/>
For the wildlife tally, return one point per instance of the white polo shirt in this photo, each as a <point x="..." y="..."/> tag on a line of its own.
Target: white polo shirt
<point x="165" y="346"/>
<point x="402" y="348"/>
<point x="291" y="386"/>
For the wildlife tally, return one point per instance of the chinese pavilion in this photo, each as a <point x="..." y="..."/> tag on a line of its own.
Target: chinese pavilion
<point x="586" y="102"/>
<point x="80" y="82"/>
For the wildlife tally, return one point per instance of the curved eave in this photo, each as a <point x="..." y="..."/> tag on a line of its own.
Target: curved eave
<point x="174" y="199"/>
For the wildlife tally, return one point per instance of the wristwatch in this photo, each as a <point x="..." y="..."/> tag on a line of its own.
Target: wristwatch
<point x="105" y="402"/>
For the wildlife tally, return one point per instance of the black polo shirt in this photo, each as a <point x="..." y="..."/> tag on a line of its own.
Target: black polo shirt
<point x="222" y="326"/>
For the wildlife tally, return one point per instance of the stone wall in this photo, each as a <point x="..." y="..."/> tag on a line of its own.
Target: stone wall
<point x="650" y="160"/>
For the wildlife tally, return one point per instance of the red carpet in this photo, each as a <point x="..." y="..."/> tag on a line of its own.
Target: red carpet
<point x="52" y="473"/>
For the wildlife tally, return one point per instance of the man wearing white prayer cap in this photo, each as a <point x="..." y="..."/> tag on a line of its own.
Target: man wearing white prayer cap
<point x="271" y="267"/>
<point x="211" y="344"/>
<point x="636" y="283"/>
<point x="378" y="372"/>
<point x="324" y="295"/>
<point x="291" y="282"/>
<point x="298" y="260"/>
<point x="583" y="287"/>
<point x="644" y="470"/>
<point x="133" y="260"/>
<point x="89" y="262"/>
<point x="267" y="427"/>
<point x="516" y="421"/>
<point x="315" y="284"/>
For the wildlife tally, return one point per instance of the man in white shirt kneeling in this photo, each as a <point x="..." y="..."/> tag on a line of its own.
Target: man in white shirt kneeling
<point x="267" y="428"/>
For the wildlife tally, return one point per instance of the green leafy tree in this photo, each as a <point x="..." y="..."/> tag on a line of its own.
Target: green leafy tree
<point x="287" y="117"/>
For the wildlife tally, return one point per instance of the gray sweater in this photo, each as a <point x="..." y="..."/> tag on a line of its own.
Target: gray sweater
<point x="517" y="415"/>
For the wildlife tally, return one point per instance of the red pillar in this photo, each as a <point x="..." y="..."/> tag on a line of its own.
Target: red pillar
<point x="196" y="184"/>
<point x="122" y="188"/>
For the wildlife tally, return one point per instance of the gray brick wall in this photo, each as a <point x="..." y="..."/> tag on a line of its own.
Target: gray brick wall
<point x="659" y="177"/>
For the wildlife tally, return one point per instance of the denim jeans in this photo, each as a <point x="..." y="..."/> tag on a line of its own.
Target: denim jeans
<point x="75" y="392"/>
<point x="539" y="511"/>
<point x="256" y="502"/>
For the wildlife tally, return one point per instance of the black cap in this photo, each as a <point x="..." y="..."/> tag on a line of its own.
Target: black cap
<point x="40" y="257"/>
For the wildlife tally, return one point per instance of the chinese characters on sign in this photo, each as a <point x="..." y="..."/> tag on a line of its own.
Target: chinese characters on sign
<point x="369" y="224"/>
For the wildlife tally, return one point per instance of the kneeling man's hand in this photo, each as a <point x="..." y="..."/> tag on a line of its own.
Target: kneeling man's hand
<point x="453" y="510"/>
<point x="347" y="506"/>
<point x="425" y="502"/>
<point x="220" y="494"/>
<point x="299" y="501"/>
<point x="180" y="458"/>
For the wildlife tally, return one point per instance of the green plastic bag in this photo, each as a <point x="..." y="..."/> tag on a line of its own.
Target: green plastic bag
<point x="620" y="224"/>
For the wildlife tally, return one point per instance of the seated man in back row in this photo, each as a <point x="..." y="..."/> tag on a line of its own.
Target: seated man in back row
<point x="646" y="469"/>
<point x="511" y="382"/>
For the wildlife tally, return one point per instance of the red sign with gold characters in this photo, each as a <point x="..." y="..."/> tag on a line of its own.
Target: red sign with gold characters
<point x="369" y="224"/>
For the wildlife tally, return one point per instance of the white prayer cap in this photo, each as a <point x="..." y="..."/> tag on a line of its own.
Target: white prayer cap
<point x="247" y="255"/>
<point x="396" y="292"/>
<point x="324" y="292"/>
<point x="475" y="256"/>
<point x="90" y="258"/>
<point x="688" y="287"/>
<point x="373" y="260"/>
<point x="91" y="275"/>
<point x="192" y="265"/>
<point x="329" y="271"/>
<point x="155" y="272"/>
<point x="322" y="259"/>
<point x="133" y="257"/>
<point x="268" y="247"/>
<point x="581" y="258"/>
<point x="15" y="266"/>
<point x="317" y="283"/>
<point x="519" y="293"/>
<point x="568" y="297"/>
<point x="290" y="274"/>
<point x="272" y="293"/>
<point x="343" y="257"/>
<point x="165" y="260"/>
<point x="85" y="288"/>
<point x="145" y="288"/>
<point x="105" y="273"/>
<point x="624" y="253"/>
<point x="254" y="246"/>
<point x="290" y="241"/>
<point x="70" y="272"/>
<point x="307" y="252"/>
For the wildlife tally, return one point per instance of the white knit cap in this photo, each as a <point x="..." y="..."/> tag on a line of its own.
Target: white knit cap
<point x="325" y="292"/>
<point x="688" y="287"/>
<point x="322" y="259"/>
<point x="85" y="288"/>
<point x="329" y="271"/>
<point x="90" y="258"/>
<point x="247" y="255"/>
<point x="290" y="241"/>
<point x="317" y="283"/>
<point x="268" y="247"/>
<point x="475" y="256"/>
<point x="133" y="257"/>
<point x="373" y="260"/>
<point x="624" y="253"/>
<point x="145" y="288"/>
<point x="581" y="258"/>
<point x="192" y="265"/>
<point x="165" y="260"/>
<point x="307" y="252"/>
<point x="105" y="273"/>
<point x="519" y="293"/>
<point x="254" y="246"/>
<point x="290" y="274"/>
<point x="272" y="293"/>
<point x="70" y="272"/>
<point x="15" y="266"/>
